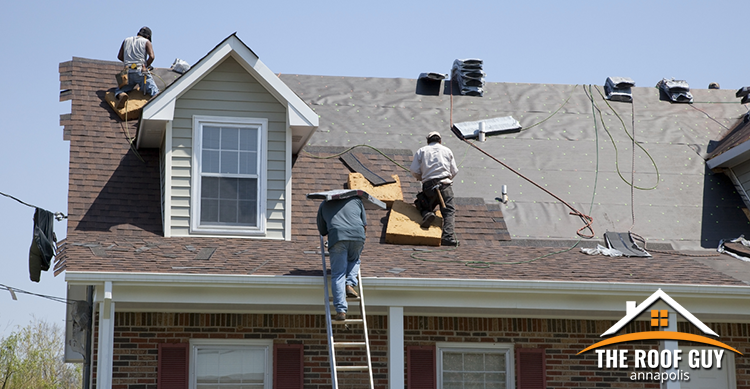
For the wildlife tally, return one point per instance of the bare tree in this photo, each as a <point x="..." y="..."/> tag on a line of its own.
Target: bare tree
<point x="33" y="357"/>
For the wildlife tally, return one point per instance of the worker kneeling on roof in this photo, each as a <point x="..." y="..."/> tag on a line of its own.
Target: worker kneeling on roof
<point x="345" y="223"/>
<point x="137" y="53"/>
<point x="435" y="166"/>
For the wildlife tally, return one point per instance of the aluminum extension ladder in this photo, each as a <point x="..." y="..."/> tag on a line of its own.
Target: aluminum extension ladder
<point x="332" y="344"/>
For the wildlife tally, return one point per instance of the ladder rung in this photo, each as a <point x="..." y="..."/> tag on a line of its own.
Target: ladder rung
<point x="352" y="368"/>
<point x="347" y="299"/>
<point x="347" y="321"/>
<point x="349" y="344"/>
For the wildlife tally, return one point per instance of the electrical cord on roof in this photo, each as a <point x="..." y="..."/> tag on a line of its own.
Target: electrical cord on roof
<point x="127" y="134"/>
<point x="58" y="215"/>
<point x="709" y="116"/>
<point x="617" y="165"/>
<point x="587" y="220"/>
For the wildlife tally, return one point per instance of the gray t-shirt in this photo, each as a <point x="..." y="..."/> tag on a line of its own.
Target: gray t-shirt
<point x="134" y="50"/>
<point x="342" y="220"/>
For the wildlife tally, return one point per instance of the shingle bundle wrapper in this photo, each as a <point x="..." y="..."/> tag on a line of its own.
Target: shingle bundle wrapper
<point x="469" y="76"/>
<point x="339" y="194"/>
<point x="677" y="90"/>
<point x="619" y="89"/>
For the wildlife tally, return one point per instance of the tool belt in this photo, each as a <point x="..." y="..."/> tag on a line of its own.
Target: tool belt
<point x="429" y="184"/>
<point x="132" y="66"/>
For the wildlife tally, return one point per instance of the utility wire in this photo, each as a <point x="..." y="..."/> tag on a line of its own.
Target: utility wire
<point x="58" y="215"/>
<point x="14" y="290"/>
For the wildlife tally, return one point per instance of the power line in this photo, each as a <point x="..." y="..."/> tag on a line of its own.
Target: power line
<point x="58" y="215"/>
<point x="14" y="290"/>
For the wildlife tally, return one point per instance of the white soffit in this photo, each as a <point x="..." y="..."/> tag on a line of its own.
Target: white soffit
<point x="161" y="108"/>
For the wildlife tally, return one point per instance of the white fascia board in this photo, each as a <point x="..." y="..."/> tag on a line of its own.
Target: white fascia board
<point x="159" y="105"/>
<point x="732" y="157"/>
<point x="412" y="293"/>
<point x="272" y="83"/>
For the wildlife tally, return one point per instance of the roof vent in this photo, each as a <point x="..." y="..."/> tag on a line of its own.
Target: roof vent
<point x="488" y="127"/>
<point x="678" y="91"/>
<point x="469" y="76"/>
<point x="618" y="89"/>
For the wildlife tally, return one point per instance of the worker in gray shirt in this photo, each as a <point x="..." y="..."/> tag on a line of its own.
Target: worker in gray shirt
<point x="345" y="223"/>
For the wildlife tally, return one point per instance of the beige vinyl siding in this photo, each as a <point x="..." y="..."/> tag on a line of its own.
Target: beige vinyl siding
<point x="228" y="91"/>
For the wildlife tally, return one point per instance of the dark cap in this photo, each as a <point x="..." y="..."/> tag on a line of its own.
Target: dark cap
<point x="145" y="32"/>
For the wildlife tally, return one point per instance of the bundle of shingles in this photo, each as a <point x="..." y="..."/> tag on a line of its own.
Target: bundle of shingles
<point x="469" y="76"/>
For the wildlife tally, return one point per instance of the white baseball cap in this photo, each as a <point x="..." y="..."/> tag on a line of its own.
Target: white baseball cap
<point x="433" y="133"/>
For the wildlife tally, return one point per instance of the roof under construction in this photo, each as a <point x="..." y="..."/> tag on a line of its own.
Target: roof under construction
<point x="567" y="146"/>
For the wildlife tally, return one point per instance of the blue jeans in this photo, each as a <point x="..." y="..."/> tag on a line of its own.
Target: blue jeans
<point x="135" y="77"/>
<point x="344" y="270"/>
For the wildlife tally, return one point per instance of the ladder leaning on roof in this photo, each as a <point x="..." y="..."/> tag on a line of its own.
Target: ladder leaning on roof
<point x="333" y="345"/>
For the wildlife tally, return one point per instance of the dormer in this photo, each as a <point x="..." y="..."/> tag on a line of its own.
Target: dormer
<point x="227" y="130"/>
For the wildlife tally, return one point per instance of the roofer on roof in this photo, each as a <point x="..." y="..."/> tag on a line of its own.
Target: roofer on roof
<point x="345" y="223"/>
<point x="137" y="53"/>
<point x="435" y="166"/>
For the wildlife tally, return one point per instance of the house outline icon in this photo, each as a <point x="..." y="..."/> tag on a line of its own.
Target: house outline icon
<point x="633" y="311"/>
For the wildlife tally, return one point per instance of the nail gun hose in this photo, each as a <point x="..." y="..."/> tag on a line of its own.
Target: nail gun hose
<point x="587" y="220"/>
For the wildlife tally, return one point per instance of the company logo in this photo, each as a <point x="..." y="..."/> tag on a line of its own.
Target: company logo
<point x="668" y="359"/>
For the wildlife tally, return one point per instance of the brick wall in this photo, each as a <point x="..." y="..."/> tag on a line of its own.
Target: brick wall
<point x="137" y="336"/>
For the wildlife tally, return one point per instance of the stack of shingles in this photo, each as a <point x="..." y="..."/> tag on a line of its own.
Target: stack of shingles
<point x="468" y="76"/>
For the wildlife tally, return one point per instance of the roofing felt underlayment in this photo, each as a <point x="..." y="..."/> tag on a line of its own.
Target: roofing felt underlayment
<point x="114" y="205"/>
<point x="581" y="147"/>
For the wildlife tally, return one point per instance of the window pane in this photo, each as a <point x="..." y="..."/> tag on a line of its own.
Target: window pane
<point x="229" y="161"/>
<point x="249" y="139"/>
<point x="248" y="188"/>
<point x="209" y="211"/>
<point x="228" y="189"/>
<point x="473" y="377"/>
<point x="231" y="368"/>
<point x="209" y="188"/>
<point x="494" y="362"/>
<point x="227" y="211"/>
<point x="453" y="361"/>
<point x="210" y="161"/>
<point x="473" y="362"/>
<point x="248" y="162"/>
<point x="229" y="138"/>
<point x="210" y="137"/>
<point x="247" y="213"/>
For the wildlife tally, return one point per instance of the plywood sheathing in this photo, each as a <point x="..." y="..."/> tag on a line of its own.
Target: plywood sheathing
<point x="133" y="107"/>
<point x="387" y="193"/>
<point x="403" y="226"/>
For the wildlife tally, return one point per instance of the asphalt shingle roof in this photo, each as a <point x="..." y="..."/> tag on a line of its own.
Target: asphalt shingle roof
<point x="114" y="213"/>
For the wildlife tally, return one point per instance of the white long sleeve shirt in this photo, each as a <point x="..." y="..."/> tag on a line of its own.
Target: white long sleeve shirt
<point x="434" y="161"/>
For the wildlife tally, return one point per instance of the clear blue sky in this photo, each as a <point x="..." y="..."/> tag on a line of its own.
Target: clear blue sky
<point x="534" y="41"/>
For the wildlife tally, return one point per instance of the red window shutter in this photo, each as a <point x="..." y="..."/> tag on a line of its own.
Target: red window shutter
<point x="420" y="367"/>
<point x="172" y="369"/>
<point x="531" y="370"/>
<point x="288" y="366"/>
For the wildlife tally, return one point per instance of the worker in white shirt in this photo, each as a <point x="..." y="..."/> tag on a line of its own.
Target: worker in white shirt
<point x="137" y="53"/>
<point x="435" y="166"/>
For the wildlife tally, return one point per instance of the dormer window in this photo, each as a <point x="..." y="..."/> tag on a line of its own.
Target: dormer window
<point x="228" y="181"/>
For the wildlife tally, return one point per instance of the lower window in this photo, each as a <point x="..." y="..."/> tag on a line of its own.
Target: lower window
<point x="475" y="366"/>
<point x="230" y="365"/>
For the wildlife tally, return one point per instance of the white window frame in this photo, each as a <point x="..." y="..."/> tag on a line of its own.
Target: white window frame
<point x="504" y="348"/>
<point x="227" y="344"/>
<point x="195" y="197"/>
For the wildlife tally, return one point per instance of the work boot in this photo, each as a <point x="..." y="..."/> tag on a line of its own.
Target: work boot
<point x="427" y="220"/>
<point x="121" y="99"/>
<point x="350" y="292"/>
<point x="340" y="316"/>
